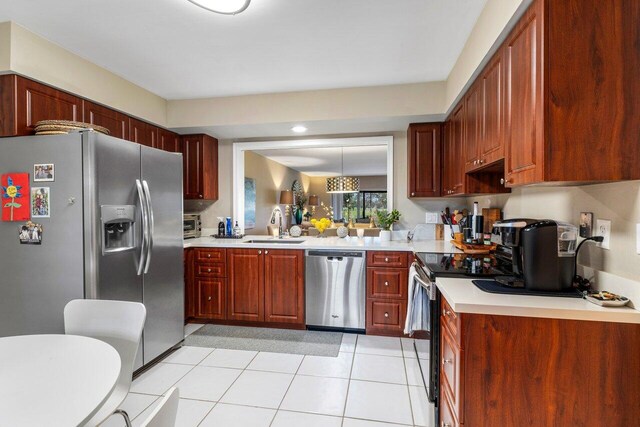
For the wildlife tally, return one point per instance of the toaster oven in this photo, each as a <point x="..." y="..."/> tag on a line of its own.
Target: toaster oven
<point x="191" y="226"/>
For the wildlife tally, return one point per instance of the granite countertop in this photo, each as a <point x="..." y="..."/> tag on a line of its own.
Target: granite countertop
<point x="328" y="243"/>
<point x="464" y="297"/>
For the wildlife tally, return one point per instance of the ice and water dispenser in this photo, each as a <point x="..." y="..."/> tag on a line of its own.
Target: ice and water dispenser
<point x="118" y="228"/>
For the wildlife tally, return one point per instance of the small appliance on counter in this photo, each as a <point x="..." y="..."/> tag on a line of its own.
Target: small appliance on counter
<point x="541" y="253"/>
<point x="191" y="226"/>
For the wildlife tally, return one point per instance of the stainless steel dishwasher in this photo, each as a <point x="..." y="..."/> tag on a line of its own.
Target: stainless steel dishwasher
<point x="335" y="289"/>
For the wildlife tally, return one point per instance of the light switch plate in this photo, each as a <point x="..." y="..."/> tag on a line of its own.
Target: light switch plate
<point x="603" y="228"/>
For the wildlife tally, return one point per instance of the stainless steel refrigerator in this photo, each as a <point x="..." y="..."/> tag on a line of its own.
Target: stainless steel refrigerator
<point x="114" y="232"/>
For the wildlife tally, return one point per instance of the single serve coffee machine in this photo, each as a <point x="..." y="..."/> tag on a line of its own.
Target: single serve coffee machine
<point x="540" y="253"/>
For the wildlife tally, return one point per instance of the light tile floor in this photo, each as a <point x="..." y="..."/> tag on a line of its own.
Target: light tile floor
<point x="374" y="382"/>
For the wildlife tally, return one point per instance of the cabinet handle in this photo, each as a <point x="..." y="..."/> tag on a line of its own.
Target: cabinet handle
<point x="386" y="283"/>
<point x="386" y="260"/>
<point x="208" y="255"/>
<point x="502" y="181"/>
<point x="446" y="361"/>
<point x="386" y="314"/>
<point x="259" y="252"/>
<point x="200" y="195"/>
<point x="266" y="252"/>
<point x="208" y="270"/>
<point x="446" y="312"/>
<point x="446" y="424"/>
<point x="475" y="162"/>
<point x="209" y="298"/>
<point x="413" y="194"/>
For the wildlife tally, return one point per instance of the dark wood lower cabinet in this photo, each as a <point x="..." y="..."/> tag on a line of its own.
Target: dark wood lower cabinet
<point x="246" y="285"/>
<point x="211" y="298"/>
<point x="284" y="286"/>
<point x="526" y="371"/>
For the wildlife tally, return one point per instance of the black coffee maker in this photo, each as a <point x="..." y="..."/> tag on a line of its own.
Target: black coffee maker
<point x="540" y="253"/>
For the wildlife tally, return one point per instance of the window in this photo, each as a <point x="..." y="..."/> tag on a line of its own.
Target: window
<point x="362" y="205"/>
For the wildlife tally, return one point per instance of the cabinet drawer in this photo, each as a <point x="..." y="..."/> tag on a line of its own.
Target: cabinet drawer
<point x="451" y="320"/>
<point x="447" y="417"/>
<point x="387" y="283"/>
<point x="387" y="259"/>
<point x="451" y="372"/>
<point x="211" y="298"/>
<point x="210" y="255"/>
<point x="388" y="315"/>
<point x="216" y="269"/>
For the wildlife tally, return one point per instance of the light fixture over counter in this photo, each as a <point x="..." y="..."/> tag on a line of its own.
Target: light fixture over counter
<point x="224" y="7"/>
<point x="343" y="184"/>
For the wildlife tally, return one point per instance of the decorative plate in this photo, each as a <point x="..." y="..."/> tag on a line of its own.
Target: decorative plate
<point x="295" y="231"/>
<point x="342" y="231"/>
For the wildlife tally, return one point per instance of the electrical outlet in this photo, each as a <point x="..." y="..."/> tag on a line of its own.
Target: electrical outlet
<point x="432" y="218"/>
<point x="603" y="228"/>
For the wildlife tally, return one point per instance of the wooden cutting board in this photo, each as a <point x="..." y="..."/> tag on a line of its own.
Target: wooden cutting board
<point x="490" y="217"/>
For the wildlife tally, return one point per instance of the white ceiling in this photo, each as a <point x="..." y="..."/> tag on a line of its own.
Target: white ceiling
<point x="178" y="50"/>
<point x="358" y="161"/>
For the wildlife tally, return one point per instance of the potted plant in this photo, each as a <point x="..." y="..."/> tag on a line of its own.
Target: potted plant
<point x="385" y="221"/>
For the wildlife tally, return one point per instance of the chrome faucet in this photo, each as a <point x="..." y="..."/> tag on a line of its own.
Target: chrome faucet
<point x="412" y="233"/>
<point x="277" y="212"/>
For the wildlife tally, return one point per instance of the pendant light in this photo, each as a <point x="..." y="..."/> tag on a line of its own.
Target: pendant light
<point x="224" y="7"/>
<point x="343" y="184"/>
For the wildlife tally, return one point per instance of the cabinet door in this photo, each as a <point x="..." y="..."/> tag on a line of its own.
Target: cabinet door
<point x="492" y="141"/>
<point x="245" y="292"/>
<point x="525" y="150"/>
<point x="192" y="167"/>
<point x="168" y="141"/>
<point x="447" y="147"/>
<point x="142" y="133"/>
<point x="189" y="285"/>
<point x="456" y="151"/>
<point x="36" y="102"/>
<point x="211" y="298"/>
<point x="116" y="122"/>
<point x="284" y="286"/>
<point x="425" y="151"/>
<point x="473" y="106"/>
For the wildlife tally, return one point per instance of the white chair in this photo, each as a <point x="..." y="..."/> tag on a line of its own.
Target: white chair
<point x="164" y="415"/>
<point x="118" y="323"/>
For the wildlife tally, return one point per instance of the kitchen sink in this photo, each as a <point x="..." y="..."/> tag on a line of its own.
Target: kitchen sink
<point x="269" y="241"/>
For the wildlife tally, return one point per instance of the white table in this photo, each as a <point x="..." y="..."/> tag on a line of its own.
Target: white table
<point x="54" y="380"/>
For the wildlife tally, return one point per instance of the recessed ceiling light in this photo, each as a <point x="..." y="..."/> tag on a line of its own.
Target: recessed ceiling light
<point x="225" y="7"/>
<point x="299" y="129"/>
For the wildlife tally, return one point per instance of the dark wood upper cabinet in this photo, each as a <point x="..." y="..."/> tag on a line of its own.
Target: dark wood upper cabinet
<point x="115" y="121"/>
<point x="491" y="147"/>
<point x="284" y="286"/>
<point x="473" y="123"/>
<point x="456" y="146"/>
<point x="143" y="133"/>
<point x="424" y="159"/>
<point x="168" y="141"/>
<point x="200" y="167"/>
<point x="26" y="102"/>
<point x="245" y="293"/>
<point x="525" y="143"/>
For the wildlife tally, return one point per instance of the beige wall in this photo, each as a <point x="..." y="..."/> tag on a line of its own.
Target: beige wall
<point x="271" y="177"/>
<point x="492" y="20"/>
<point x="335" y="104"/>
<point x="618" y="202"/>
<point x="5" y="46"/>
<point x="39" y="59"/>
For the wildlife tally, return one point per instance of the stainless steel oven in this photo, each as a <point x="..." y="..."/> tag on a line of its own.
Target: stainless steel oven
<point x="191" y="226"/>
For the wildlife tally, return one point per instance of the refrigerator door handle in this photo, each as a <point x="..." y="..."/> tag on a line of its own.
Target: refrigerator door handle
<point x="145" y="231"/>
<point x="150" y="225"/>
